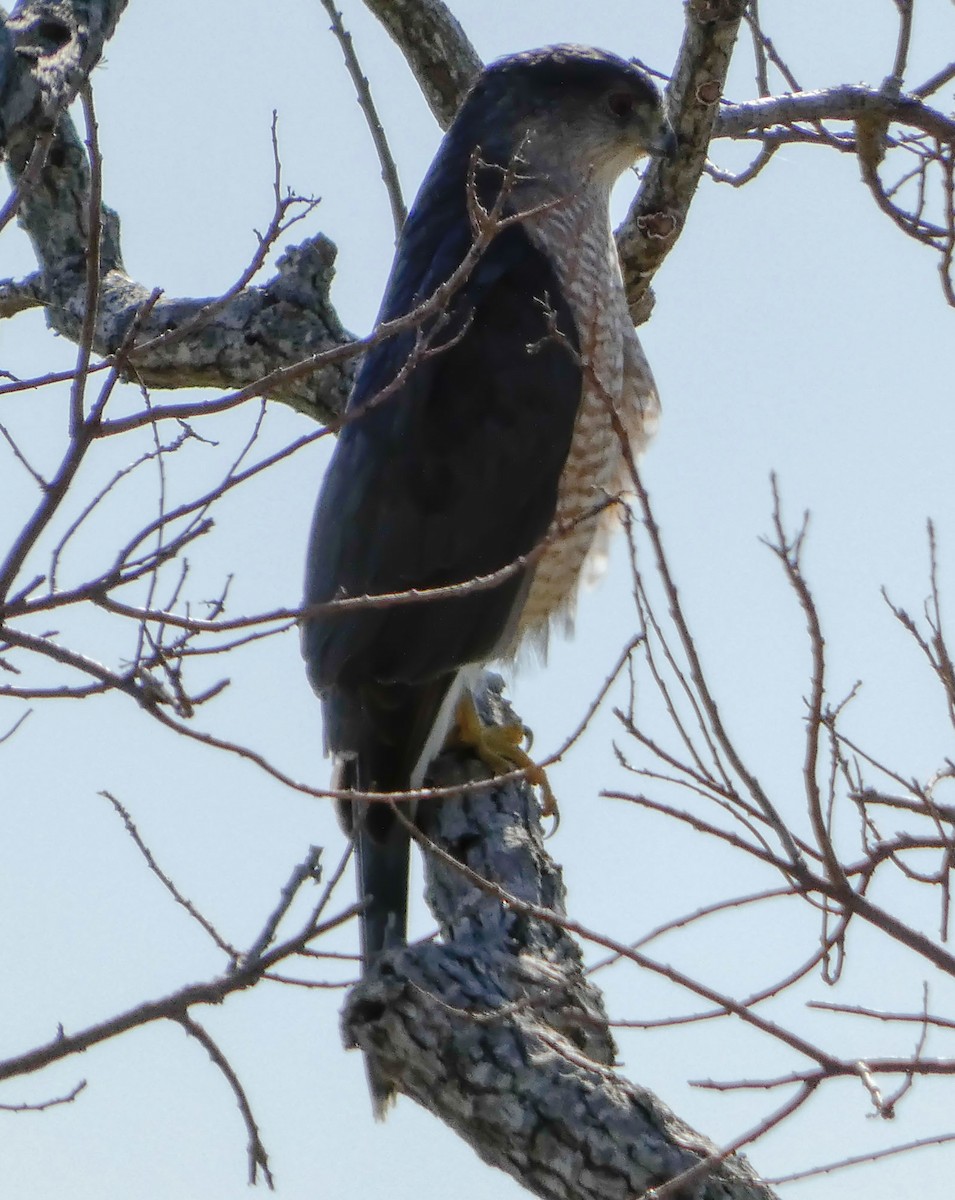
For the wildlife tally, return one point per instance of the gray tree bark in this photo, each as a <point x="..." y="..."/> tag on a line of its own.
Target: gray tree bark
<point x="496" y="1030"/>
<point x="47" y="50"/>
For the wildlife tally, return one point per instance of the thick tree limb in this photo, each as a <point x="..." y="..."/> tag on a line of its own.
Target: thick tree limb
<point x="47" y="50"/>
<point x="495" y="1029"/>
<point x="257" y="330"/>
<point x="846" y="103"/>
<point x="658" y="214"/>
<point x="194" y="342"/>
<point x="436" y="48"/>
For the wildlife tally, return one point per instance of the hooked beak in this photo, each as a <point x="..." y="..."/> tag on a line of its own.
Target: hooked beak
<point x="664" y="143"/>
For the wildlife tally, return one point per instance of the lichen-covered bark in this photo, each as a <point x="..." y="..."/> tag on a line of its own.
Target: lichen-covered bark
<point x="496" y="1030"/>
<point x="258" y="331"/>
<point x="436" y="48"/>
<point x="233" y="345"/>
<point x="658" y="214"/>
<point x="47" y="50"/>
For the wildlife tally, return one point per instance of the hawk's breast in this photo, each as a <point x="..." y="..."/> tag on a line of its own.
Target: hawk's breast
<point x="577" y="238"/>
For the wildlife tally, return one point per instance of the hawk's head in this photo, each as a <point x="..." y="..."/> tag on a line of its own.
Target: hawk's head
<point x="570" y="112"/>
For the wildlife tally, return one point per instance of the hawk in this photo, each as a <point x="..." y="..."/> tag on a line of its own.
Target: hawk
<point x="484" y="429"/>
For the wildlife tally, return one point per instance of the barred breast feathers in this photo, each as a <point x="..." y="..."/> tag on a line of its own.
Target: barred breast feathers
<point x="577" y="238"/>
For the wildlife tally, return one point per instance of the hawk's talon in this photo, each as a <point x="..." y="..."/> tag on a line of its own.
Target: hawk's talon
<point x="499" y="747"/>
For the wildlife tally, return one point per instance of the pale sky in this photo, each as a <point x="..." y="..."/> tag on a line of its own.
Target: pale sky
<point x="796" y="331"/>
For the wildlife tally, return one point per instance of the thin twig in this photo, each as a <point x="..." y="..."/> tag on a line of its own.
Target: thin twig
<point x="683" y="1184"/>
<point x="860" y="1159"/>
<point x="172" y="1006"/>
<point x="788" y="550"/>
<point x="309" y="869"/>
<point x="164" y="879"/>
<point x="905" y="7"/>
<point x="258" y="1157"/>
<point x="43" y="1105"/>
<point x="389" y="170"/>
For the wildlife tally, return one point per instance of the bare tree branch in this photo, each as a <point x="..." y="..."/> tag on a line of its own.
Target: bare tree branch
<point x="496" y="1027"/>
<point x="258" y="1157"/>
<point x="495" y="1030"/>
<point x="171" y="1007"/>
<point x="436" y="47"/>
<point x="847" y="102"/>
<point x="658" y="213"/>
<point x="389" y="170"/>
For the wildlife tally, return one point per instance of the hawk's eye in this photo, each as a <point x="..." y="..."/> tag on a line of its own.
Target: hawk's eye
<point x="621" y="104"/>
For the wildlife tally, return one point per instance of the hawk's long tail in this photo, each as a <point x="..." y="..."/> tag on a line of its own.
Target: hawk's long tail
<point x="384" y="736"/>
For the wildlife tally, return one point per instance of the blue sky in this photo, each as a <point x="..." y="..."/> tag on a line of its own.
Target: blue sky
<point x="795" y="331"/>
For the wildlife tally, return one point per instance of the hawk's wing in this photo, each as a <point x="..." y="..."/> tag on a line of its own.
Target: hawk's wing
<point x="451" y="476"/>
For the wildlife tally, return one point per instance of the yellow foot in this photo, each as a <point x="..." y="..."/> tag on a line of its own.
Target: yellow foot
<point x="499" y="747"/>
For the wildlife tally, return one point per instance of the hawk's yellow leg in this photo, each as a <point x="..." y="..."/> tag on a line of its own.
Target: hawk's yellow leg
<point x="499" y="747"/>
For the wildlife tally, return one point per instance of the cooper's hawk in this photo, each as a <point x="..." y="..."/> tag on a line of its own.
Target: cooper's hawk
<point x="478" y="430"/>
